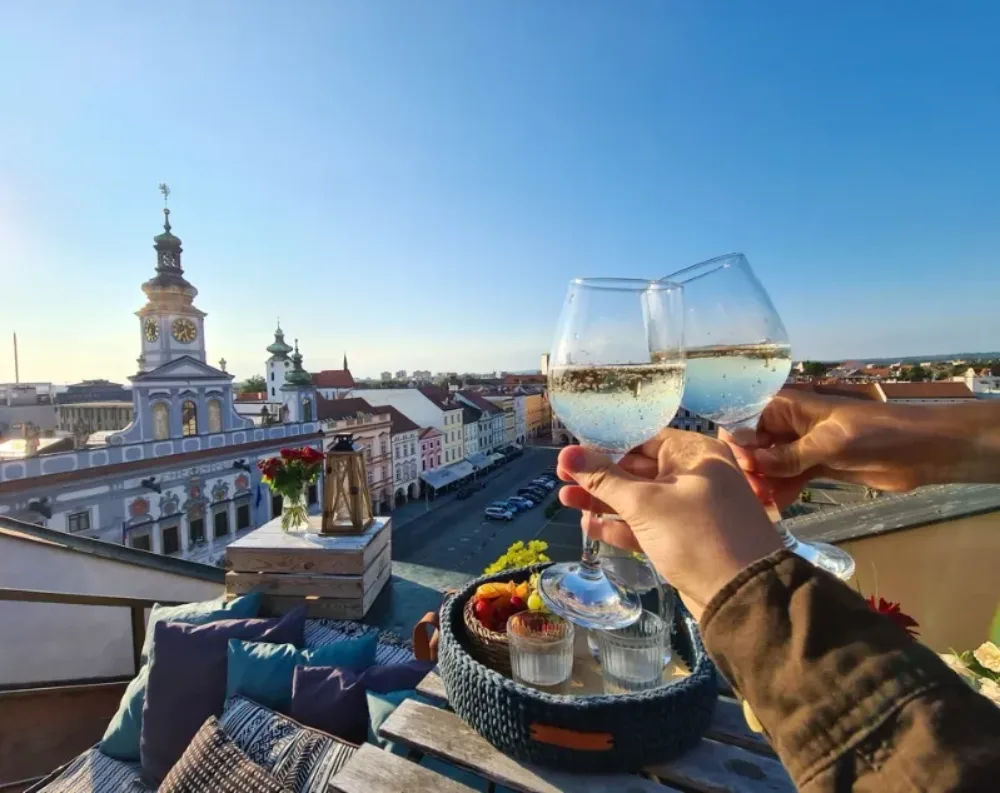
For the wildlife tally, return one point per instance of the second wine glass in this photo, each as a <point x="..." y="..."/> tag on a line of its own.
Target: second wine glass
<point x="616" y="376"/>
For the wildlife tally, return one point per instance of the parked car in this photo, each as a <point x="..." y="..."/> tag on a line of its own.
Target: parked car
<point x="496" y="513"/>
<point x="537" y="492"/>
<point x="546" y="483"/>
<point x="500" y="503"/>
<point x="521" y="502"/>
<point x="529" y="492"/>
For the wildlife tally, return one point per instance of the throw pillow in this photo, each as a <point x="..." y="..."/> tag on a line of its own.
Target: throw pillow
<point x="263" y="672"/>
<point x="214" y="764"/>
<point x="334" y="700"/>
<point x="121" y="738"/>
<point x="302" y="759"/>
<point x="187" y="681"/>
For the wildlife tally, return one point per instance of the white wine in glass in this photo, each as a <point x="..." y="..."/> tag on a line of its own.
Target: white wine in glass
<point x="738" y="358"/>
<point x="616" y="376"/>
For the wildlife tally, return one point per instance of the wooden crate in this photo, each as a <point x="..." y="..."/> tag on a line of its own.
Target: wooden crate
<point x="335" y="576"/>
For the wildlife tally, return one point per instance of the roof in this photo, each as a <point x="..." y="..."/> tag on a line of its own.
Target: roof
<point x="430" y="432"/>
<point x="334" y="409"/>
<point x="888" y="513"/>
<point x="524" y="379"/>
<point x="333" y="378"/>
<point x="481" y="402"/>
<point x="14" y="449"/>
<point x="108" y="550"/>
<point x="400" y="421"/>
<point x="470" y="415"/>
<point x="851" y="390"/>
<point x="251" y="396"/>
<point x="442" y="399"/>
<point x="116" y="403"/>
<point x="938" y="390"/>
<point x="877" y="371"/>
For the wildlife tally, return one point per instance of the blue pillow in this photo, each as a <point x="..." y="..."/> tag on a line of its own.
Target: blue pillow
<point x="264" y="672"/>
<point x="121" y="738"/>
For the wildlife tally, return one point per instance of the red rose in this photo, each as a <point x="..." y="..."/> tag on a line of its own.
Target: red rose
<point x="289" y="454"/>
<point x="311" y="456"/>
<point x="893" y="612"/>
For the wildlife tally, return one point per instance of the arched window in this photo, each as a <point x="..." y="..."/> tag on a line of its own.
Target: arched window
<point x="307" y="410"/>
<point x="398" y="473"/>
<point x="214" y="415"/>
<point x="161" y="421"/>
<point x="189" y="418"/>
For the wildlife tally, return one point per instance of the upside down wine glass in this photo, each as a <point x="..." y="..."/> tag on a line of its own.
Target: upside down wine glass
<point x="738" y="358"/>
<point x="616" y="375"/>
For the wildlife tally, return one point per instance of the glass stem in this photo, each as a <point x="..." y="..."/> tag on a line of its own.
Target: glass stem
<point x="590" y="567"/>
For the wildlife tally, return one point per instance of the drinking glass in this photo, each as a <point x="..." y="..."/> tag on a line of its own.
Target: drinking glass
<point x="738" y="358"/>
<point x="632" y="657"/>
<point x="541" y="648"/>
<point x="616" y="375"/>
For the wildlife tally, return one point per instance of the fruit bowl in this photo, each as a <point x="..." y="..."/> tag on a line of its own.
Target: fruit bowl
<point x="490" y="648"/>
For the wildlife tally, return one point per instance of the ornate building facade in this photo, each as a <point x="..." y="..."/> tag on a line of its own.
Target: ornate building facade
<point x="181" y="478"/>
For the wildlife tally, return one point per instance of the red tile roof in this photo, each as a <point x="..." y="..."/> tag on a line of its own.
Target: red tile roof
<point x="251" y="396"/>
<point x="333" y="378"/>
<point x="481" y="402"/>
<point x="430" y="432"/>
<point x="524" y="379"/>
<point x="334" y="409"/>
<point x="400" y="421"/>
<point x="441" y="398"/>
<point x="941" y="390"/>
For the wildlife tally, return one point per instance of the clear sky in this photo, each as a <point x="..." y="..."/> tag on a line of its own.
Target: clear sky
<point x="414" y="182"/>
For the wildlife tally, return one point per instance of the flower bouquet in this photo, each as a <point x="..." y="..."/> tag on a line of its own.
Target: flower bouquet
<point x="289" y="475"/>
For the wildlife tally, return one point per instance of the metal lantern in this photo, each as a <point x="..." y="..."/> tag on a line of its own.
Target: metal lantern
<point x="347" y="504"/>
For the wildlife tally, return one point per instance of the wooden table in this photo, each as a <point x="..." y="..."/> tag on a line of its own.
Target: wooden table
<point x="730" y="759"/>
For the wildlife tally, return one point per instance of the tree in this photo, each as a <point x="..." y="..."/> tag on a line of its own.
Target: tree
<point x="941" y="374"/>
<point x="814" y="368"/>
<point x="915" y="374"/>
<point x="253" y="385"/>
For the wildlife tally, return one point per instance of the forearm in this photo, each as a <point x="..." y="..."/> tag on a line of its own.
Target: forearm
<point x="842" y="693"/>
<point x="961" y="443"/>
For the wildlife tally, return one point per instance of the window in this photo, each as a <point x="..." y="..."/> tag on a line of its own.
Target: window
<point x="272" y="387"/>
<point x="196" y="531"/>
<point x="370" y="478"/>
<point x="439" y="460"/>
<point x="79" y="521"/>
<point x="220" y="521"/>
<point x="242" y="515"/>
<point x="399" y="473"/>
<point x="272" y="380"/>
<point x="214" y="416"/>
<point x="423" y="465"/>
<point x="312" y="494"/>
<point x="189" y="418"/>
<point x="307" y="410"/>
<point x="171" y="539"/>
<point x="161" y="421"/>
<point x="141" y="542"/>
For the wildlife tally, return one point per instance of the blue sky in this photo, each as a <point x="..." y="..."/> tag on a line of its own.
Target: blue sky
<point x="415" y="182"/>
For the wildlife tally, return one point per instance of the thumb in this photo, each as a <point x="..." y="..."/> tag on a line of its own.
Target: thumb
<point x="785" y="460"/>
<point x="595" y="473"/>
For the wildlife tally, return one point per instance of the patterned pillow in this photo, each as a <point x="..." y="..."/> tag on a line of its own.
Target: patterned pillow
<point x="212" y="763"/>
<point x="302" y="759"/>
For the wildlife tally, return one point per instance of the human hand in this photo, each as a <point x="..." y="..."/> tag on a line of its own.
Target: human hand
<point x="682" y="500"/>
<point x="803" y="436"/>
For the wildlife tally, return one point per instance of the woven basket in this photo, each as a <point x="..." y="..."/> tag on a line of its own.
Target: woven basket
<point x="488" y="647"/>
<point x="598" y="734"/>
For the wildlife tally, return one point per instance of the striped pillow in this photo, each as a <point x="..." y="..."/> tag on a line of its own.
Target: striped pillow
<point x="300" y="758"/>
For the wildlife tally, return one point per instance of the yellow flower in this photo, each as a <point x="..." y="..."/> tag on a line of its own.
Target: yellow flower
<point x="955" y="664"/>
<point x="988" y="654"/>
<point x="990" y="689"/>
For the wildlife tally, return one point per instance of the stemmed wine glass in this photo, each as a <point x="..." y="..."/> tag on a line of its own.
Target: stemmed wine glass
<point x="616" y="375"/>
<point x="738" y="358"/>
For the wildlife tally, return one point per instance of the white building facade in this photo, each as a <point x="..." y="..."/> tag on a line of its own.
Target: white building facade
<point x="426" y="406"/>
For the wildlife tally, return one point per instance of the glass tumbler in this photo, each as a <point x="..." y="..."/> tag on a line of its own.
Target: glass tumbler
<point x="632" y="657"/>
<point x="541" y="648"/>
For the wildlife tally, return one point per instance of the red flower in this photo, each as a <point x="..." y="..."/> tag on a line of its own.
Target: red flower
<point x="290" y="454"/>
<point x="893" y="612"/>
<point x="310" y="456"/>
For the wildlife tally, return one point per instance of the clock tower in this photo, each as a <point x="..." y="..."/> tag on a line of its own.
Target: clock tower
<point x="169" y="324"/>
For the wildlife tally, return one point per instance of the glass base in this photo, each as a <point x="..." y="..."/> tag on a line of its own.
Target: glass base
<point x="588" y="597"/>
<point x="827" y="557"/>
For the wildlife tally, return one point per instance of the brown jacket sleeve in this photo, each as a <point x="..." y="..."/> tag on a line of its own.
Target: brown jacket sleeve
<point x="848" y="700"/>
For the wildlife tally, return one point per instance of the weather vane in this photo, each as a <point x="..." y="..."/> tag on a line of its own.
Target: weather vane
<point x="165" y="189"/>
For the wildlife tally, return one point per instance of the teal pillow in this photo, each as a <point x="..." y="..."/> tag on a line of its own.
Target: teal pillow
<point x="121" y="738"/>
<point x="263" y="672"/>
<point x="380" y="708"/>
<point x="241" y="608"/>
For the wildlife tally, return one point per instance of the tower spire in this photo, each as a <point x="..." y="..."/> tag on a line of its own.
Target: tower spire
<point x="345" y="360"/>
<point x="165" y="189"/>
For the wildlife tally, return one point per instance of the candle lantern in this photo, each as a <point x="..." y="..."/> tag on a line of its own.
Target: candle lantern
<point x="347" y="504"/>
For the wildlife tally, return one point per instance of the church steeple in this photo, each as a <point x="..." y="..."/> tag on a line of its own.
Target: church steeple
<point x="279" y="349"/>
<point x="298" y="376"/>
<point x="169" y="272"/>
<point x="345" y="361"/>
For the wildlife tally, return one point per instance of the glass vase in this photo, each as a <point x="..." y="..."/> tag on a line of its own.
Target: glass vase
<point x="294" y="513"/>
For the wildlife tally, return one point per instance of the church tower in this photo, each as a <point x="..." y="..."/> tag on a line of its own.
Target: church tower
<point x="298" y="392"/>
<point x="277" y="365"/>
<point x="169" y="325"/>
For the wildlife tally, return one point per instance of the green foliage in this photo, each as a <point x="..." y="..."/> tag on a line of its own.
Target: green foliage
<point x="520" y="555"/>
<point x="915" y="374"/>
<point x="995" y="628"/>
<point x="253" y="385"/>
<point x="806" y="496"/>
<point x="814" y="368"/>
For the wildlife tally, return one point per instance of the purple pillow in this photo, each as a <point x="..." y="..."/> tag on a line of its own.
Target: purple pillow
<point x="334" y="700"/>
<point x="187" y="681"/>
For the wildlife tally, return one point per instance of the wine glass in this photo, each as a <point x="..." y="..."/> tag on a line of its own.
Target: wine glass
<point x="616" y="375"/>
<point x="738" y="358"/>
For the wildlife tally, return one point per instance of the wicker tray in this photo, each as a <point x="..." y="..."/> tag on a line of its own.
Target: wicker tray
<point x="602" y="734"/>
<point x="488" y="647"/>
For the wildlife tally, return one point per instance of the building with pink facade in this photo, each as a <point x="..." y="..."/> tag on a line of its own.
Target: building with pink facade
<point x="430" y="449"/>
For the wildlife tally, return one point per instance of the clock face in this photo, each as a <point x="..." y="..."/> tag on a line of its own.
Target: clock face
<point x="151" y="330"/>
<point x="184" y="330"/>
